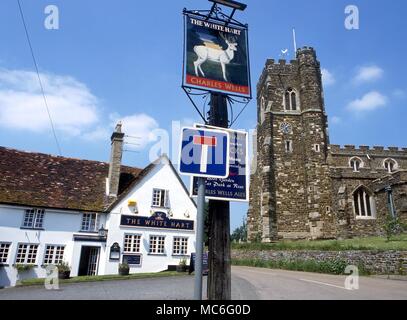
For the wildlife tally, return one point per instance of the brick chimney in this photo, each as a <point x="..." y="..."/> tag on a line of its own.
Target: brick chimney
<point x="117" y="139"/>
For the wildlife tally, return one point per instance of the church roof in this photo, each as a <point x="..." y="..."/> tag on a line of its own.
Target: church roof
<point x="47" y="181"/>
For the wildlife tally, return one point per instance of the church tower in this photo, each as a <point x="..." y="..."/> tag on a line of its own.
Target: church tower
<point x="290" y="185"/>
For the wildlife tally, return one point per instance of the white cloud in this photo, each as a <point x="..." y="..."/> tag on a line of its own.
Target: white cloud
<point x="368" y="74"/>
<point x="328" y="78"/>
<point x="369" y="102"/>
<point x="140" y="130"/>
<point x="72" y="106"/>
<point x="75" y="111"/>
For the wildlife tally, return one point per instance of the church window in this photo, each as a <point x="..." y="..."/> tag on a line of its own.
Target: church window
<point x="390" y="165"/>
<point x="262" y="110"/>
<point x="317" y="148"/>
<point x="356" y="163"/>
<point x="288" y="146"/>
<point x="290" y="100"/>
<point x="363" y="203"/>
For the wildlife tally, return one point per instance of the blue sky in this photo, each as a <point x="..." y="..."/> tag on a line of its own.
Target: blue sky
<point x="122" y="59"/>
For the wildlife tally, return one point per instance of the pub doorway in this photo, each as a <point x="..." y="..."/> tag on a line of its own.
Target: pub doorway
<point x="89" y="261"/>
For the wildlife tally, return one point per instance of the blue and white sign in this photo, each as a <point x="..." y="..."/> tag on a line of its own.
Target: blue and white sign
<point x="236" y="186"/>
<point x="204" y="153"/>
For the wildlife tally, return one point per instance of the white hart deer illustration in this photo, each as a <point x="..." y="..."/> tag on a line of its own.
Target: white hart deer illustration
<point x="224" y="57"/>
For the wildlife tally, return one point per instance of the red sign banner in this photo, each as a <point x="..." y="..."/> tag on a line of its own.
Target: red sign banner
<point x="218" y="85"/>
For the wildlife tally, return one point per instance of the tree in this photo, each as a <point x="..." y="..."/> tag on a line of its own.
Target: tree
<point x="240" y="233"/>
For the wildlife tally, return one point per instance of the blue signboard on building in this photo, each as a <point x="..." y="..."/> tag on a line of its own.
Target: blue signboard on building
<point x="158" y="220"/>
<point x="205" y="263"/>
<point x="204" y="153"/>
<point x="236" y="186"/>
<point x="132" y="259"/>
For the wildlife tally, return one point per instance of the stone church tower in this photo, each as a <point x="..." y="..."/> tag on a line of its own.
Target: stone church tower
<point x="302" y="187"/>
<point x="290" y="188"/>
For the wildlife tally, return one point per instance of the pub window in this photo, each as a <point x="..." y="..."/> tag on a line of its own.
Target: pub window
<point x="363" y="203"/>
<point x="54" y="255"/>
<point x="4" y="251"/>
<point x="132" y="243"/>
<point x="34" y="218"/>
<point x="90" y="222"/>
<point x="27" y="253"/>
<point x="161" y="198"/>
<point x="356" y="163"/>
<point x="390" y="165"/>
<point x="290" y="100"/>
<point x="157" y="244"/>
<point x="180" y="246"/>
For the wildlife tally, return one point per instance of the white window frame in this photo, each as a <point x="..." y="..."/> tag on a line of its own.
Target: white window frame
<point x="4" y="252"/>
<point x="56" y="256"/>
<point x="364" y="204"/>
<point x="317" y="148"/>
<point x="26" y="259"/>
<point x="180" y="246"/>
<point x="395" y="165"/>
<point x="134" y="244"/>
<point x="33" y="218"/>
<point x="91" y="224"/>
<point x="162" y="200"/>
<point x="156" y="243"/>
<point x="351" y="165"/>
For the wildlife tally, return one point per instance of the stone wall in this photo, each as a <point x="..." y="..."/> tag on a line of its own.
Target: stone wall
<point x="376" y="262"/>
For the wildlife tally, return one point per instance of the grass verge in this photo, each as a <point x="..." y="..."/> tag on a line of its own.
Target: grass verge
<point x="372" y="243"/>
<point x="40" y="281"/>
<point x="329" y="267"/>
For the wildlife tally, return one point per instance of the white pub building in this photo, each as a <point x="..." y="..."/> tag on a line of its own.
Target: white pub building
<point x="91" y="215"/>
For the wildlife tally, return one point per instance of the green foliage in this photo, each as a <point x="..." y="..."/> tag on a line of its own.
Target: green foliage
<point x="330" y="267"/>
<point x="39" y="281"/>
<point x="63" y="267"/>
<point x="393" y="227"/>
<point x="182" y="262"/>
<point x="124" y="266"/>
<point x="23" y="267"/>
<point x="240" y="233"/>
<point x="398" y="242"/>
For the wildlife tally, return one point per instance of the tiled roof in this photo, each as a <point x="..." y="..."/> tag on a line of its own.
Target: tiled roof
<point x="41" y="180"/>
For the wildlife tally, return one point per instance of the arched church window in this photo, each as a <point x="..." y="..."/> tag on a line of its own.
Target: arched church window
<point x="363" y="203"/>
<point x="390" y="165"/>
<point x="262" y="109"/>
<point x="290" y="100"/>
<point x="356" y="163"/>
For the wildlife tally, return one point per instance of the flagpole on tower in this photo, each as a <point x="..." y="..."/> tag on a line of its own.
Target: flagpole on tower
<point x="295" y="42"/>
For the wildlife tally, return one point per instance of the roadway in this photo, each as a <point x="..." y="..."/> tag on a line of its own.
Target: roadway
<point x="247" y="284"/>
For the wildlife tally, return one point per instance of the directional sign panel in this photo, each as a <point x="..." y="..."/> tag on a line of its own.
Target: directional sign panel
<point x="236" y="186"/>
<point x="204" y="153"/>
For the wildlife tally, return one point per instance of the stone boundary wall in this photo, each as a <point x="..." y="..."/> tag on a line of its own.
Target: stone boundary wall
<point x="376" y="262"/>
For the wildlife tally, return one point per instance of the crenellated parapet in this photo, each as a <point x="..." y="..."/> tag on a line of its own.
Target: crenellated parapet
<point x="367" y="150"/>
<point x="279" y="67"/>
